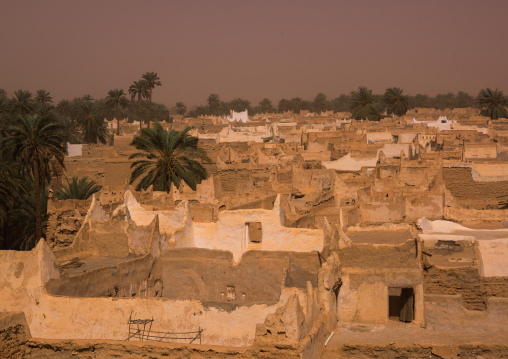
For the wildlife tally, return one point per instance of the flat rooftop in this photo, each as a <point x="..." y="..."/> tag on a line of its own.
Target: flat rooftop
<point x="380" y="236"/>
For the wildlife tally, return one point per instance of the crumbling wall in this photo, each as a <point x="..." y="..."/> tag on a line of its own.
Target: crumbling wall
<point x="472" y="215"/>
<point x="389" y="208"/>
<point x="65" y="218"/>
<point x="473" y="194"/>
<point x="14" y="333"/>
<point x="137" y="277"/>
<point x="364" y="255"/>
<point x="474" y="289"/>
<point x="310" y="180"/>
<point x="425" y="204"/>
<point x="193" y="273"/>
<point x="382" y="209"/>
<point x="447" y="313"/>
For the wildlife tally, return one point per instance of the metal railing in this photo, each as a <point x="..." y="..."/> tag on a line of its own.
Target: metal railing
<point x="141" y="329"/>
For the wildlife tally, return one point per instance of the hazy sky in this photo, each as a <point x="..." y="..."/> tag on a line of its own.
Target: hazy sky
<point x="253" y="49"/>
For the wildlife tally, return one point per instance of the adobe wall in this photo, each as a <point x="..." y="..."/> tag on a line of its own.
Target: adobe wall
<point x="14" y="333"/>
<point x="264" y="203"/>
<point x="368" y="270"/>
<point x="381" y="209"/>
<point x="473" y="194"/>
<point x="424" y="205"/>
<point x="496" y="171"/>
<point x="64" y="220"/>
<point x="204" y="193"/>
<point x="109" y="349"/>
<point x="310" y="180"/>
<point x="137" y="277"/>
<point x="24" y="275"/>
<point x="474" y="289"/>
<point x="363" y="296"/>
<point x="447" y="313"/>
<point x="480" y="151"/>
<point x="380" y="256"/>
<point x="202" y="274"/>
<point x="347" y="184"/>
<point x="57" y="317"/>
<point x="229" y="233"/>
<point x="474" y="215"/>
<point x="237" y="181"/>
<point x="397" y="208"/>
<point x="77" y="318"/>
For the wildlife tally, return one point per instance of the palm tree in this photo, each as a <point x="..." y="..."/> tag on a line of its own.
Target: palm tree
<point x="265" y="105"/>
<point x="181" y="109"/>
<point x="214" y="104"/>
<point x="139" y="89"/>
<point x="86" y="97"/>
<point x="77" y="189"/>
<point x="492" y="103"/>
<point x="167" y="158"/>
<point x="64" y="108"/>
<point x="46" y="110"/>
<point x="43" y="96"/>
<point x="360" y="101"/>
<point x="115" y="99"/>
<point x="320" y="103"/>
<point x="69" y="130"/>
<point x="11" y="188"/>
<point x="22" y="103"/>
<point x="3" y="93"/>
<point x="375" y="111"/>
<point x="90" y="122"/>
<point x="396" y="103"/>
<point x="35" y="141"/>
<point x="152" y="80"/>
<point x="24" y="214"/>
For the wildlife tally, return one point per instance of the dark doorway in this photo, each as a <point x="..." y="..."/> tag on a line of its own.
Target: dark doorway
<point x="401" y="304"/>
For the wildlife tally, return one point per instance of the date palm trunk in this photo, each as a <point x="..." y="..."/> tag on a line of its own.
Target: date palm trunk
<point x="139" y="111"/>
<point x="150" y="109"/>
<point x="117" y="121"/>
<point x="37" y="189"/>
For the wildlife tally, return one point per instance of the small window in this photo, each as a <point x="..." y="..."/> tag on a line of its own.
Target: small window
<point x="230" y="292"/>
<point x="254" y="232"/>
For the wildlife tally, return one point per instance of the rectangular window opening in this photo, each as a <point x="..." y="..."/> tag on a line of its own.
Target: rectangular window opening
<point x="254" y="232"/>
<point x="401" y="304"/>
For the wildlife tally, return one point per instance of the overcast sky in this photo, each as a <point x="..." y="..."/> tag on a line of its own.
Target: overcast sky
<point x="253" y="49"/>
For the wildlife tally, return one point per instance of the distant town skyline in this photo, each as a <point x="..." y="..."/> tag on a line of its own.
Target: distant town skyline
<point x="252" y="50"/>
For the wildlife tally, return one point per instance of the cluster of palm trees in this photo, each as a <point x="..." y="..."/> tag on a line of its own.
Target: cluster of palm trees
<point x="143" y="89"/>
<point x="33" y="134"/>
<point x="31" y="154"/>
<point x="363" y="103"/>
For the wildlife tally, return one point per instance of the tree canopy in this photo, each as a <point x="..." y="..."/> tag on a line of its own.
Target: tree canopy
<point x="492" y="103"/>
<point x="167" y="157"/>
